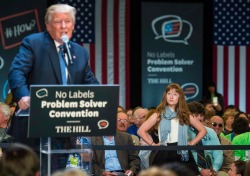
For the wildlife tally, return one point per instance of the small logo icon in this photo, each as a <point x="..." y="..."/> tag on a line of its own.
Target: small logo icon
<point x="190" y="90"/>
<point x="102" y="124"/>
<point x="172" y="29"/>
<point x="42" y="93"/>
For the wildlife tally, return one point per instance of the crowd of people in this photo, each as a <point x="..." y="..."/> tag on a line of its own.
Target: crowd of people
<point x="174" y="122"/>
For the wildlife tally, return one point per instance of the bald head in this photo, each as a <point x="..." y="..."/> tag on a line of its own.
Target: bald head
<point x="216" y="123"/>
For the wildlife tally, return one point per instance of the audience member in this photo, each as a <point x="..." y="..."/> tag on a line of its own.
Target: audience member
<point x="242" y="115"/>
<point x="19" y="160"/>
<point x="120" y="109"/>
<point x="214" y="97"/>
<point x="122" y="121"/>
<point x="237" y="168"/>
<point x="217" y="123"/>
<point x="129" y="112"/>
<point x="242" y="138"/>
<point x="171" y="114"/>
<point x="239" y="126"/>
<point x="122" y="125"/>
<point x="228" y="118"/>
<point x="209" y="110"/>
<point x="111" y="162"/>
<point x="212" y="159"/>
<point x="39" y="57"/>
<point x="156" y="171"/>
<point x="5" y="114"/>
<point x="232" y="108"/>
<point x="179" y="169"/>
<point x="139" y="115"/>
<point x="70" y="172"/>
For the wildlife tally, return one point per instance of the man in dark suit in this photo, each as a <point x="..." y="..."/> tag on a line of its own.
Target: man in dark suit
<point x="37" y="63"/>
<point x="109" y="162"/>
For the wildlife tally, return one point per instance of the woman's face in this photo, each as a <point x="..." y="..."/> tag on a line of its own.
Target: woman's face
<point x="172" y="98"/>
<point x="233" y="170"/>
<point x="229" y="121"/>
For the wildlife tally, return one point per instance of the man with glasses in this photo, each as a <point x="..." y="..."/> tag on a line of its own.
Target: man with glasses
<point x="122" y="122"/>
<point x="217" y="123"/>
<point x="115" y="162"/>
<point x="209" y="162"/>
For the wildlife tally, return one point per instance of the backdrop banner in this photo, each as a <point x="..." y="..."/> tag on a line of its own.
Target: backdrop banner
<point x="172" y="49"/>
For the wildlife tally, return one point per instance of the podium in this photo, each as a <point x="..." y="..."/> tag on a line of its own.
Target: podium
<point x="53" y="159"/>
<point x="65" y="118"/>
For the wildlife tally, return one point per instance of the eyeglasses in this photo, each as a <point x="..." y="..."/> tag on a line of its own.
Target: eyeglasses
<point x="122" y="120"/>
<point x="215" y="124"/>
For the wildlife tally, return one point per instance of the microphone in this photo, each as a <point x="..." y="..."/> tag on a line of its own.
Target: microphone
<point x="65" y="40"/>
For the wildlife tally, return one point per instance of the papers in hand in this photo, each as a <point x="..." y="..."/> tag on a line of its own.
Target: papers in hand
<point x="22" y="112"/>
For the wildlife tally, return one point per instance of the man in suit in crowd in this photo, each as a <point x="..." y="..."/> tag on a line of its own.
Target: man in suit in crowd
<point x="38" y="63"/>
<point x="111" y="162"/>
<point x="123" y="124"/>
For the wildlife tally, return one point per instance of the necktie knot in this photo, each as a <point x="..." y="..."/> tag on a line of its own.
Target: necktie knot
<point x="60" y="47"/>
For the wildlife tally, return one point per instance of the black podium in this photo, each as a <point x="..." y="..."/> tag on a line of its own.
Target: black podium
<point x="65" y="118"/>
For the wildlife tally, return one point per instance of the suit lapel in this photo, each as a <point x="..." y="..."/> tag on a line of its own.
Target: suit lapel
<point x="53" y="55"/>
<point x="118" y="139"/>
<point x="99" y="141"/>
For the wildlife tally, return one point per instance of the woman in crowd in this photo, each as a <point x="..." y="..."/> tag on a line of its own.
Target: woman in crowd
<point x="172" y="114"/>
<point x="228" y="118"/>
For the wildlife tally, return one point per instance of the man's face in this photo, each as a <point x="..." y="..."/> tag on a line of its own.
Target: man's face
<point x="217" y="124"/>
<point x="140" y="116"/>
<point x="122" y="122"/>
<point x="59" y="25"/>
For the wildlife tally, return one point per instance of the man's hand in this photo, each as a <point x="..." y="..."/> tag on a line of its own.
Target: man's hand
<point x="107" y="173"/>
<point x="129" y="173"/>
<point x="206" y="172"/>
<point x="24" y="103"/>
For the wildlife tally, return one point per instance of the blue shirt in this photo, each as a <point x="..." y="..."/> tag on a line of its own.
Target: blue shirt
<point x="211" y="138"/>
<point x="111" y="160"/>
<point x="133" y="130"/>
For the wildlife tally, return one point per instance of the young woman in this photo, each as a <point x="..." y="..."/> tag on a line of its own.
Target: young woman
<point x="173" y="117"/>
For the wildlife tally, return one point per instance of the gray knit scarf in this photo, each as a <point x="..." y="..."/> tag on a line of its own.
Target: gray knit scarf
<point x="165" y="127"/>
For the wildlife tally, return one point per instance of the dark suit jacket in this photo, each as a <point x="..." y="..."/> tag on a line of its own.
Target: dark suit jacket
<point x="128" y="159"/>
<point x="37" y="63"/>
